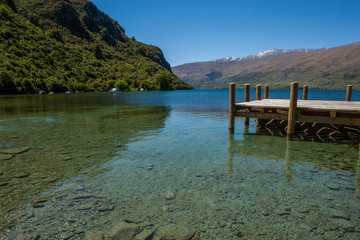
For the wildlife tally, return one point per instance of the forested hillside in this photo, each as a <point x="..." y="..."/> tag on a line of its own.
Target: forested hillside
<point x="70" y="45"/>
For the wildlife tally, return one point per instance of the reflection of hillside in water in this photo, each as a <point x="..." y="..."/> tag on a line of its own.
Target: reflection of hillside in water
<point x="68" y="135"/>
<point x="322" y="156"/>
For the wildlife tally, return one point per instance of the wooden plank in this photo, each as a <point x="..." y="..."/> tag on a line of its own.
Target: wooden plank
<point x="260" y="115"/>
<point x="317" y="105"/>
<point x="301" y="118"/>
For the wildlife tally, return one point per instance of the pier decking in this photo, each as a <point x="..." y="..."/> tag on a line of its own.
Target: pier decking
<point x="292" y="110"/>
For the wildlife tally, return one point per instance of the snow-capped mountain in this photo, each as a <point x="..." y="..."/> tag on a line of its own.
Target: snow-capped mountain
<point x="331" y="68"/>
<point x="271" y="52"/>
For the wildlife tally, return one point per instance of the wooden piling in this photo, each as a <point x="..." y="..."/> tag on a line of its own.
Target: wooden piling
<point x="357" y="178"/>
<point x="292" y="109"/>
<point x="305" y="92"/>
<point x="348" y="93"/>
<point x="231" y="107"/>
<point x="258" y="92"/>
<point x="247" y="99"/>
<point x="266" y="92"/>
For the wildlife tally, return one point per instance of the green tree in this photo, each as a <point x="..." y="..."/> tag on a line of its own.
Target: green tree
<point x="163" y="81"/>
<point x="122" y="85"/>
<point x="27" y="86"/>
<point x="98" y="52"/>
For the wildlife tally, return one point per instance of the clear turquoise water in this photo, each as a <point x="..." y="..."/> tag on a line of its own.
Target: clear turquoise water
<point x="164" y="161"/>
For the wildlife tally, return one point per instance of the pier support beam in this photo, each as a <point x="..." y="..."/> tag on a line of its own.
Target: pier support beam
<point x="305" y="92"/>
<point x="231" y="107"/>
<point x="348" y="93"/>
<point x="247" y="99"/>
<point x="292" y="109"/>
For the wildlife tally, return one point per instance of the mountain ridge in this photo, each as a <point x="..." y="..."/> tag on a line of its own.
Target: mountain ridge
<point x="325" y="68"/>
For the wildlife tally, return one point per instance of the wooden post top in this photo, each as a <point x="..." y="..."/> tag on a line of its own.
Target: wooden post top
<point x="348" y="93"/>
<point x="305" y="92"/>
<point x="258" y="92"/>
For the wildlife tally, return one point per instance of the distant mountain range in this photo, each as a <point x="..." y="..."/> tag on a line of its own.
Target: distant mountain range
<point x="326" y="68"/>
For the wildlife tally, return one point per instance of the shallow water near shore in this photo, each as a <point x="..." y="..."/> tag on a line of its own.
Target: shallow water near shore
<point x="81" y="164"/>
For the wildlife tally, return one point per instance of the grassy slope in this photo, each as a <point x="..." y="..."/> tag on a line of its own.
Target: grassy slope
<point x="63" y="45"/>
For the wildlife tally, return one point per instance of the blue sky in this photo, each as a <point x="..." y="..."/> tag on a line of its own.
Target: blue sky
<point x="203" y="30"/>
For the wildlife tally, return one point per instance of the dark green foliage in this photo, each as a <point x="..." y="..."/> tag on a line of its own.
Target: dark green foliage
<point x="55" y="33"/>
<point x="34" y="19"/>
<point x="122" y="85"/>
<point x="40" y="52"/>
<point x="4" y="12"/>
<point x="98" y="52"/>
<point x="163" y="81"/>
<point x="6" y="34"/>
<point x="27" y="86"/>
<point x="6" y="83"/>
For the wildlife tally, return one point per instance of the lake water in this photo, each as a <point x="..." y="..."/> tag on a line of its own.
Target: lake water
<point x="162" y="165"/>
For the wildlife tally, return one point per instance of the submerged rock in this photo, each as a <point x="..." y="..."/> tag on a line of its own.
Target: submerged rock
<point x="173" y="231"/>
<point x="169" y="195"/>
<point x="14" y="150"/>
<point x="145" y="234"/>
<point x="3" y="184"/>
<point x="124" y="231"/>
<point x="22" y="175"/>
<point x="66" y="158"/>
<point x="6" y="156"/>
<point x="93" y="236"/>
<point x="335" y="213"/>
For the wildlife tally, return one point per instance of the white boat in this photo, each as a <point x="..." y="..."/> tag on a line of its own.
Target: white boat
<point x="114" y="91"/>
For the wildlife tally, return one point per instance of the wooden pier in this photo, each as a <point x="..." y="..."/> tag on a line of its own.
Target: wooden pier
<point x="292" y="110"/>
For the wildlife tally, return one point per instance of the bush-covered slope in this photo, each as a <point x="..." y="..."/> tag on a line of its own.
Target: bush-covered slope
<point x="60" y="45"/>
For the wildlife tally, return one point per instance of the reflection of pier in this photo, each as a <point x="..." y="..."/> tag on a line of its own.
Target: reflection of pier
<point x="280" y="149"/>
<point x="293" y="110"/>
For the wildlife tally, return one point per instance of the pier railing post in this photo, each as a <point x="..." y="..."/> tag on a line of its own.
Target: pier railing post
<point x="231" y="107"/>
<point x="348" y="93"/>
<point x="258" y="92"/>
<point x="247" y="99"/>
<point x="266" y="92"/>
<point x="292" y="109"/>
<point x="305" y="92"/>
